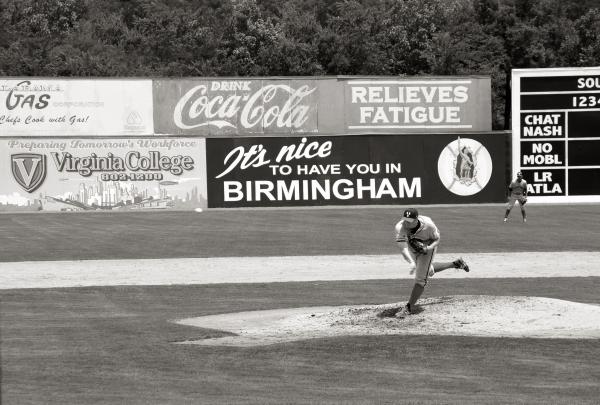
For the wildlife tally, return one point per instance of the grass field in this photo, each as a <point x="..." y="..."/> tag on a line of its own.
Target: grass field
<point x="104" y="235"/>
<point x="116" y="344"/>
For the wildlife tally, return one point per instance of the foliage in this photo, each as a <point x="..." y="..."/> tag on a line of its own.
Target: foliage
<point x="178" y="38"/>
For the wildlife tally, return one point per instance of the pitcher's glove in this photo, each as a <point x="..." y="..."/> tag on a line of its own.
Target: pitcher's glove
<point x="417" y="245"/>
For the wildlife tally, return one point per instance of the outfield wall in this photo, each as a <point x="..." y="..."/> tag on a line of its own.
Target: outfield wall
<point x="196" y="143"/>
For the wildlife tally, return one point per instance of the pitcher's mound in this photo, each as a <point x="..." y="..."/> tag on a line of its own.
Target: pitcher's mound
<point x="473" y="315"/>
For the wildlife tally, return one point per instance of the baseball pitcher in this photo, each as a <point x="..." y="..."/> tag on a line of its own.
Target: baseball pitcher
<point x="418" y="238"/>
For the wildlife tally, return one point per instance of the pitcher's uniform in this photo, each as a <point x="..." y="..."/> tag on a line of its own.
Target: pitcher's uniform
<point x="428" y="233"/>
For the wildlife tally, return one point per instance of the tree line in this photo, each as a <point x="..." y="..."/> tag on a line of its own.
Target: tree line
<point x="185" y="38"/>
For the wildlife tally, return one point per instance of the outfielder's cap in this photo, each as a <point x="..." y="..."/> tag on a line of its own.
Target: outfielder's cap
<point x="410" y="214"/>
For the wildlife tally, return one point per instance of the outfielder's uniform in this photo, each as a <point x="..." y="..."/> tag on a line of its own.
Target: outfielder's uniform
<point x="518" y="192"/>
<point x="426" y="232"/>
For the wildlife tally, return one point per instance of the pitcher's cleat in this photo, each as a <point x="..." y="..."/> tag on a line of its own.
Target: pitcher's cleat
<point x="461" y="264"/>
<point x="404" y="312"/>
<point x="505" y="219"/>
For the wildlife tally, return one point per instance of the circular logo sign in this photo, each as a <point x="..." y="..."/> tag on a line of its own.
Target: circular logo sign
<point x="465" y="166"/>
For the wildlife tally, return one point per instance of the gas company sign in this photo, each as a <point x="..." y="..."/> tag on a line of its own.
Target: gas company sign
<point x="61" y="107"/>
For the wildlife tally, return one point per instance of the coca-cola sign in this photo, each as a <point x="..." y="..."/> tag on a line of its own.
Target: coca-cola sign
<point x="222" y="107"/>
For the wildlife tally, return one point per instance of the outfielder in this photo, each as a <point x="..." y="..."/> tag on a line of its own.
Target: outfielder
<point x="418" y="238"/>
<point x="517" y="191"/>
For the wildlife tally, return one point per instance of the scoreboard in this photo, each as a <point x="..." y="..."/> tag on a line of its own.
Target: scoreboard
<point x="556" y="133"/>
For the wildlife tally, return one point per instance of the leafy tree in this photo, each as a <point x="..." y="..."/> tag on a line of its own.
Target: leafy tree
<point x="31" y="28"/>
<point x="299" y="48"/>
<point x="348" y="45"/>
<point x="249" y="42"/>
<point x="173" y="42"/>
<point x="588" y="32"/>
<point x="298" y="37"/>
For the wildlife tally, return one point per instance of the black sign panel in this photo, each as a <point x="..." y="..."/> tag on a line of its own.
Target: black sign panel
<point x="545" y="182"/>
<point x="584" y="152"/>
<point x="560" y="83"/>
<point x="584" y="124"/>
<point x="562" y="101"/>
<point x="542" y="125"/>
<point x="584" y="181"/>
<point x="543" y="153"/>
<point x="356" y="170"/>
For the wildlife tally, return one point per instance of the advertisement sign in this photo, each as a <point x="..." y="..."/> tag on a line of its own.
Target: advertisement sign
<point x="41" y="174"/>
<point x="61" y="107"/>
<point x="556" y="143"/>
<point x="458" y="104"/>
<point x="235" y="106"/>
<point x="321" y="106"/>
<point x="356" y="170"/>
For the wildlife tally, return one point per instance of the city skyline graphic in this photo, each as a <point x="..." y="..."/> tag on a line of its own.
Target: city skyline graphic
<point x="111" y="195"/>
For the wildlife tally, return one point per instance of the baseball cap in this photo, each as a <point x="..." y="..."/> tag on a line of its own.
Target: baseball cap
<point x="410" y="214"/>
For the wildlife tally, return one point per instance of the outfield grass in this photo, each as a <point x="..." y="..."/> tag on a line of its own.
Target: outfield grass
<point x="105" y="235"/>
<point x="116" y="344"/>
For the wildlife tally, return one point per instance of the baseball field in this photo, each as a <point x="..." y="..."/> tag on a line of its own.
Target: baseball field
<point x="278" y="307"/>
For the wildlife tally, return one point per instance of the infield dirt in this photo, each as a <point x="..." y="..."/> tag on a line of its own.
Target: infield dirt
<point x="486" y="316"/>
<point x="218" y="270"/>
